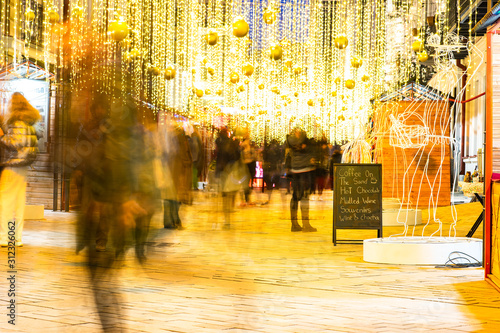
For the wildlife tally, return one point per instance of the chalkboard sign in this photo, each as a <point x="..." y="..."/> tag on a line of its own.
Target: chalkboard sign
<point x="357" y="198"/>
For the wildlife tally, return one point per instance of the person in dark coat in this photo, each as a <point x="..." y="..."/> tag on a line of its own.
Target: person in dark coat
<point x="302" y="169"/>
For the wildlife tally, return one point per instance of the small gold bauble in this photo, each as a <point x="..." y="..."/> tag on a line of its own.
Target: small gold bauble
<point x="241" y="88"/>
<point x="278" y="114"/>
<point x="155" y="70"/>
<point x="321" y="99"/>
<point x="338" y="80"/>
<point x="414" y="32"/>
<point x="261" y="86"/>
<point x="199" y="93"/>
<point x="252" y="118"/>
<point x="356" y="62"/>
<point x="247" y="81"/>
<point x="418" y="45"/>
<point x="285" y="104"/>
<point x="288" y="63"/>
<point x="349" y="84"/>
<point x="296" y="94"/>
<point x="247" y="69"/>
<point x="276" y="52"/>
<point x="219" y="92"/>
<point x="208" y="92"/>
<point x="310" y="102"/>
<point x="334" y="93"/>
<point x="274" y="89"/>
<point x="134" y="54"/>
<point x="269" y="16"/>
<point x="212" y="37"/>
<point x="204" y="60"/>
<point x="77" y="12"/>
<point x="169" y="72"/>
<point x="365" y="77"/>
<point x="341" y="41"/>
<point x="234" y="77"/>
<point x="297" y="70"/>
<point x="193" y="71"/>
<point x="54" y="16"/>
<point x="119" y="30"/>
<point x="303" y="83"/>
<point x="423" y="56"/>
<point x="240" y="27"/>
<point x="210" y="69"/>
<point x="341" y="118"/>
<point x="29" y="15"/>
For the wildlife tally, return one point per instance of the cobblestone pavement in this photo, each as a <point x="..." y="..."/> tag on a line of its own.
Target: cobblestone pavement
<point x="256" y="277"/>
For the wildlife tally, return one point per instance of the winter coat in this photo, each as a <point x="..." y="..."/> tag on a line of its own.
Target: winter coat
<point x="20" y="145"/>
<point x="302" y="152"/>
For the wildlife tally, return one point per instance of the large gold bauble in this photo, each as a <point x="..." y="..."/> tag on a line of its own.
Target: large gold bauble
<point x="240" y="27"/>
<point x="29" y="15"/>
<point x="53" y="16"/>
<point x="356" y="62"/>
<point x="310" y="102"/>
<point x="77" y="12"/>
<point x="288" y="63"/>
<point x="349" y="84"/>
<point x="119" y="30"/>
<point x="334" y="93"/>
<point x="297" y="70"/>
<point x="199" y="93"/>
<point x="169" y="72"/>
<point x="234" y="77"/>
<point x="276" y="52"/>
<point x="341" y="41"/>
<point x="269" y="16"/>
<point x="247" y="69"/>
<point x="338" y="80"/>
<point x="423" y="56"/>
<point x="261" y="86"/>
<point x="212" y="37"/>
<point x="418" y="45"/>
<point x="365" y="77"/>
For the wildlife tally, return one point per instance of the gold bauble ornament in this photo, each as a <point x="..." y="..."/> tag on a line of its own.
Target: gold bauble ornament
<point x="29" y="15"/>
<point x="414" y="32"/>
<point x="53" y="16"/>
<point x="338" y="80"/>
<point x="278" y="114"/>
<point x="341" y="118"/>
<point x="334" y="93"/>
<point x="365" y="77"/>
<point x="77" y="12"/>
<point x="356" y="62"/>
<point x="208" y="92"/>
<point x="118" y="30"/>
<point x="247" y="69"/>
<point x="247" y="81"/>
<point x="234" y="77"/>
<point x="423" y="56"/>
<point x="296" y="94"/>
<point x="212" y="37"/>
<point x="310" y="102"/>
<point x="261" y="86"/>
<point x="274" y="89"/>
<point x="288" y="63"/>
<point x="219" y="92"/>
<point x="199" y="93"/>
<point x="169" y="72"/>
<point x="269" y="16"/>
<point x="276" y="51"/>
<point x="240" y="27"/>
<point x="134" y="54"/>
<point x="349" y="84"/>
<point x="241" y="88"/>
<point x="341" y="41"/>
<point x="204" y="61"/>
<point x="418" y="45"/>
<point x="303" y="83"/>
<point x="155" y="70"/>
<point x="321" y="99"/>
<point x="193" y="71"/>
<point x="297" y="70"/>
<point x="210" y="69"/>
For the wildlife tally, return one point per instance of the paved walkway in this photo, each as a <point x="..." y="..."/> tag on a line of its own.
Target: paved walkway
<point x="257" y="277"/>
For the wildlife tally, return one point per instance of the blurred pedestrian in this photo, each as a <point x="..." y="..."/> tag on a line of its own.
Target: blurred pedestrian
<point x="272" y="159"/>
<point x="20" y="148"/>
<point x="302" y="169"/>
